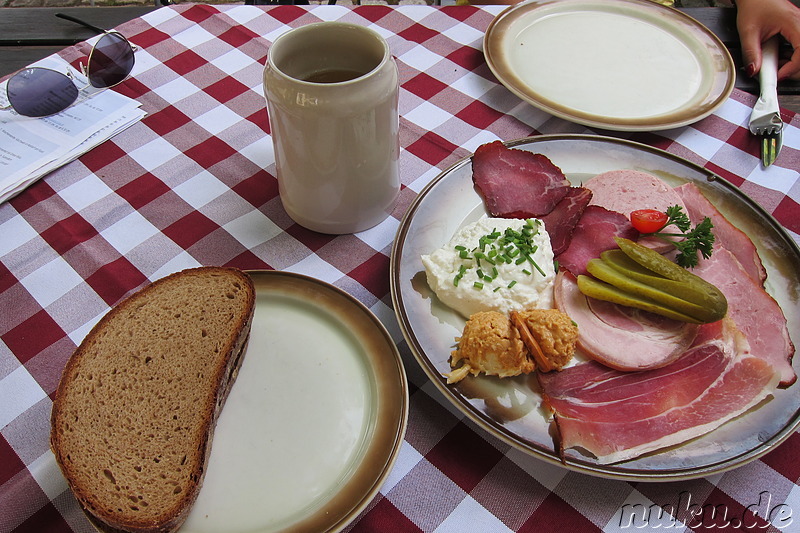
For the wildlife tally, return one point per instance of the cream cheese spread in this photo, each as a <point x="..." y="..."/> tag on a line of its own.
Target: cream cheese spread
<point x="494" y="264"/>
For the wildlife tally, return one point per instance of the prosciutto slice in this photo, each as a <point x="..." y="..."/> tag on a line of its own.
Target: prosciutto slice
<point x="618" y="416"/>
<point x="621" y="337"/>
<point x="726" y="234"/>
<point x="593" y="234"/>
<point x="755" y="312"/>
<point x="517" y="183"/>
<point x="560" y="223"/>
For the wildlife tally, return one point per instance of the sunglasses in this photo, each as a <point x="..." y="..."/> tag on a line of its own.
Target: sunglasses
<point x="40" y="92"/>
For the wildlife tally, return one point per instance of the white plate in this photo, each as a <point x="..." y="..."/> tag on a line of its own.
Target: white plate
<point x="315" y="419"/>
<point x="510" y="408"/>
<point x="628" y="65"/>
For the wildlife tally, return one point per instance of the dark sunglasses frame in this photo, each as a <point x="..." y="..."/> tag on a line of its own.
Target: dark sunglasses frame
<point x="39" y="92"/>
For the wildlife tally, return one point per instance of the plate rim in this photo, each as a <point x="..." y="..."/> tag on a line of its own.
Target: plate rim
<point x="611" y="471"/>
<point x="493" y="52"/>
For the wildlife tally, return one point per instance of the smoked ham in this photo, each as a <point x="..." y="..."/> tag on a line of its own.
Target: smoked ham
<point x="561" y="222"/>
<point x="621" y="337"/>
<point x="517" y="183"/>
<point x="594" y="234"/>
<point x="754" y="311"/>
<point x="627" y="190"/>
<point x="617" y="416"/>
<point x="726" y="234"/>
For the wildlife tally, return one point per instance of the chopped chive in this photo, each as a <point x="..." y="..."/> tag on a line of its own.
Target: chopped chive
<point x="460" y="274"/>
<point x="512" y="283"/>
<point x="511" y="246"/>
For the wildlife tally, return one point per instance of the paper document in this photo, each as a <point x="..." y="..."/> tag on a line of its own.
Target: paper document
<point x="32" y="147"/>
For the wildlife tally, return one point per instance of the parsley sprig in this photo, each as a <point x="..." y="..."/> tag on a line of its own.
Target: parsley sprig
<point x="697" y="239"/>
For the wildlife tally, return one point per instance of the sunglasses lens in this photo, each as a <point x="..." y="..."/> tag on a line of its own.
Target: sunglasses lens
<point x="111" y="61"/>
<point x="40" y="92"/>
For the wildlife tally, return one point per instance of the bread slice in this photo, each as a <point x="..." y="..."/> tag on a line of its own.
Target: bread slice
<point x="134" y="413"/>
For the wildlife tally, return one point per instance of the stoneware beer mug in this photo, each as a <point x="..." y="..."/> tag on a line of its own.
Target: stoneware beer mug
<point x="331" y="91"/>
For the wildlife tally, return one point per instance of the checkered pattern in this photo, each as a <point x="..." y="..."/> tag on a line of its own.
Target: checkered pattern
<point x="194" y="184"/>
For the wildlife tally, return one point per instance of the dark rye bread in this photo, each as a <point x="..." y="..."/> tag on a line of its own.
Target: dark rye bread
<point x="134" y="413"/>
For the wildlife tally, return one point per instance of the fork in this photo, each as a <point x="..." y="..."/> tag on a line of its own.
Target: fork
<point x="765" y="120"/>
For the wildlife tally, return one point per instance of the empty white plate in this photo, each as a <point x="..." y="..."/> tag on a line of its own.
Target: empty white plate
<point x="627" y="65"/>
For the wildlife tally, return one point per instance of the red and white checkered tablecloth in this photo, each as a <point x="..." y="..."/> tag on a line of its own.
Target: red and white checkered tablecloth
<point x="194" y="184"/>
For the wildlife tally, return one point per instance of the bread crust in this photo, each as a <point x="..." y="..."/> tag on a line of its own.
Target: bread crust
<point x="228" y="361"/>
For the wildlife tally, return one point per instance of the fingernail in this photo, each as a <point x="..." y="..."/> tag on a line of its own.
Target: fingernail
<point x="750" y="70"/>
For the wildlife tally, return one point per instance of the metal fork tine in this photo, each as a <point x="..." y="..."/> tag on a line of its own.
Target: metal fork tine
<point x="769" y="148"/>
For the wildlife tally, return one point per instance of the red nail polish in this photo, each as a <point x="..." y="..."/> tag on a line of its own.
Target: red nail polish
<point x="750" y="70"/>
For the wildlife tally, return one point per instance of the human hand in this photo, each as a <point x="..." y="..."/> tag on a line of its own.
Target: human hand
<point x="757" y="21"/>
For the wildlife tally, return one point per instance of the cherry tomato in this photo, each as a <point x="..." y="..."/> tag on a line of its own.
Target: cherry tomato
<point x="648" y="220"/>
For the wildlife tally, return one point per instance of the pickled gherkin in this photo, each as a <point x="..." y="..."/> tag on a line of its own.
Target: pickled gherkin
<point x="606" y="292"/>
<point x="704" y="293"/>
<point x="639" y="277"/>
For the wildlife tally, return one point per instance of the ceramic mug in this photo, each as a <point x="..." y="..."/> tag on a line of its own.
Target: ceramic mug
<point x="332" y="92"/>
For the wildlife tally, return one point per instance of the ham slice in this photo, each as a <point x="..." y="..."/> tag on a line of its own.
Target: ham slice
<point x="618" y="416"/>
<point x="621" y="337"/>
<point x="626" y="190"/>
<point x="517" y="183"/>
<point x="754" y="311"/>
<point x="560" y="223"/>
<point x="594" y="234"/>
<point x="726" y="234"/>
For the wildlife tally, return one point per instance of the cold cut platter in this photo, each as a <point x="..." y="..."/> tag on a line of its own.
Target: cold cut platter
<point x="523" y="409"/>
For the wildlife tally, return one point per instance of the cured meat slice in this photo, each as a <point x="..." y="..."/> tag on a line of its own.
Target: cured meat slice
<point x="618" y="416"/>
<point x="726" y="234"/>
<point x="755" y="312"/>
<point x="621" y="337"/>
<point x="560" y="223"/>
<point x="517" y="183"/>
<point x="594" y="234"/>
<point x="627" y="190"/>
